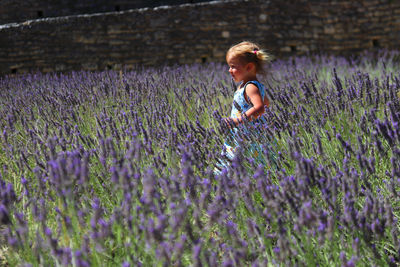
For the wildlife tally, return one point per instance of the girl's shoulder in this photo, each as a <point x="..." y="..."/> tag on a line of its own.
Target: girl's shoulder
<point x="259" y="85"/>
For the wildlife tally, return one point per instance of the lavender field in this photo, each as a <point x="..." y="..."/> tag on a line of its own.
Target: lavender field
<point x="117" y="168"/>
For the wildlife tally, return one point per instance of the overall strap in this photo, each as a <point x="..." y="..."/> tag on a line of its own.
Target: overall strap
<point x="259" y="86"/>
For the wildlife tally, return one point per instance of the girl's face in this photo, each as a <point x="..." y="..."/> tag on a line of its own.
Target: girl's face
<point x="236" y="68"/>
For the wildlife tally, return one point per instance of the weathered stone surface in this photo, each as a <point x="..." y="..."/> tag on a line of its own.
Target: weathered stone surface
<point x="21" y="10"/>
<point x="197" y="33"/>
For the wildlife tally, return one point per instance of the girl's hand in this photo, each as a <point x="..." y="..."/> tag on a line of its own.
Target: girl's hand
<point x="230" y="122"/>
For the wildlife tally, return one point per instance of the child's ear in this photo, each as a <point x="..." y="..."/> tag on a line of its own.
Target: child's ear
<point x="250" y="66"/>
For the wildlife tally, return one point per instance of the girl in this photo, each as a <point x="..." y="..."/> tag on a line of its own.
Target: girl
<point x="245" y="61"/>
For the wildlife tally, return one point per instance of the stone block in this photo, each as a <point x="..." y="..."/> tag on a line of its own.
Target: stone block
<point x="262" y="18"/>
<point x="225" y="34"/>
<point x="84" y="39"/>
<point x="329" y="29"/>
<point x="116" y="42"/>
<point x="285" y="49"/>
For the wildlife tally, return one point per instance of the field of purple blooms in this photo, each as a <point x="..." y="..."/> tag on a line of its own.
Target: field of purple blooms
<point x="117" y="168"/>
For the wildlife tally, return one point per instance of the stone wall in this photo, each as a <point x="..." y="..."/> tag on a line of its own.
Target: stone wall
<point x="22" y="10"/>
<point x="199" y="32"/>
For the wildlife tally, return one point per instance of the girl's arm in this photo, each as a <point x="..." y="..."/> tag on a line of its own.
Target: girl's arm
<point x="253" y="95"/>
<point x="266" y="101"/>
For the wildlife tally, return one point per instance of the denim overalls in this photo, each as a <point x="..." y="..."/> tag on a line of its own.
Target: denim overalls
<point x="252" y="149"/>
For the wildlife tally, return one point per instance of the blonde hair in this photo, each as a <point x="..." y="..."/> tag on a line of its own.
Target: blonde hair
<point x="248" y="52"/>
